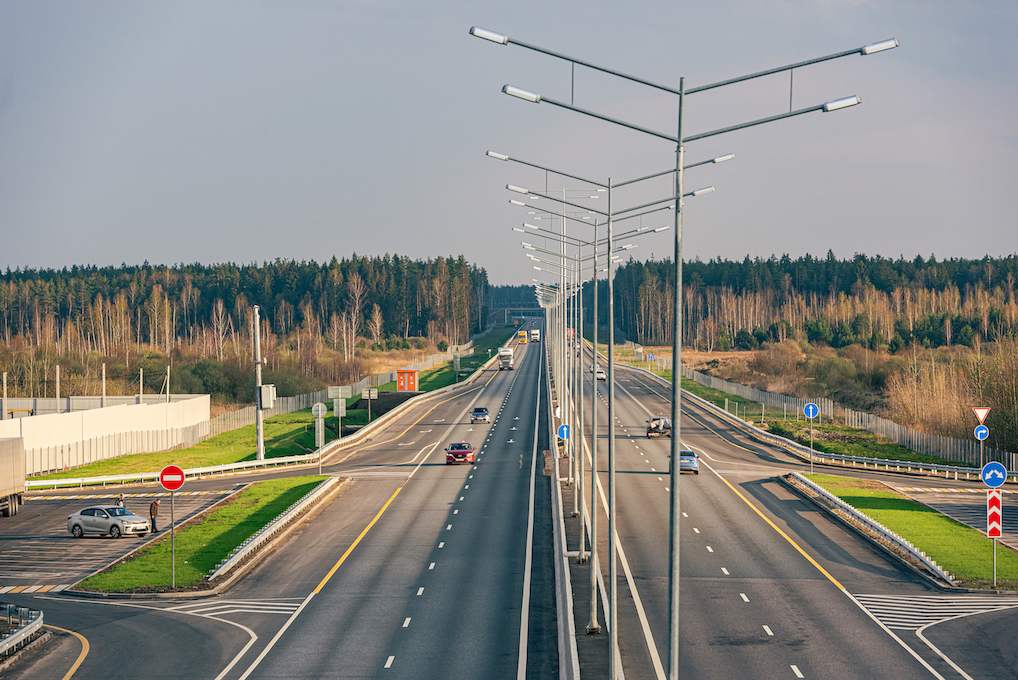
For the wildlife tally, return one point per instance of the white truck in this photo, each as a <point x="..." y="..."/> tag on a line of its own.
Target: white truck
<point x="12" y="476"/>
<point x="535" y="335"/>
<point x="505" y="358"/>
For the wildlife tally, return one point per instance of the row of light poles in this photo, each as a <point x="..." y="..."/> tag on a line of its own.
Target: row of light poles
<point x="676" y="200"/>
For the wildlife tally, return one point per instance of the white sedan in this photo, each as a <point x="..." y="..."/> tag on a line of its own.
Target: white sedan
<point x="111" y="520"/>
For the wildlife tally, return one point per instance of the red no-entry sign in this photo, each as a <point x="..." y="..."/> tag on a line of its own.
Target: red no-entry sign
<point x="171" y="477"/>
<point x="993" y="513"/>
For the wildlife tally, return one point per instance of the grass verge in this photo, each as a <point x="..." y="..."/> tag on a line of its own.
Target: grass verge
<point x="203" y="542"/>
<point x="959" y="549"/>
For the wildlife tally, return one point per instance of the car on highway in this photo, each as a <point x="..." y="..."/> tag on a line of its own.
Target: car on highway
<point x="459" y="452"/>
<point x="659" y="426"/>
<point x="688" y="462"/>
<point x="111" y="520"/>
<point x="601" y="375"/>
<point x="480" y="413"/>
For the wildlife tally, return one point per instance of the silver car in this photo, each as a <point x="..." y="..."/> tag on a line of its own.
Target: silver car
<point x="111" y="520"/>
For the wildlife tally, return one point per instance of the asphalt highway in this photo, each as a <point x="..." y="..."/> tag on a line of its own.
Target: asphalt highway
<point x="771" y="587"/>
<point x="417" y="569"/>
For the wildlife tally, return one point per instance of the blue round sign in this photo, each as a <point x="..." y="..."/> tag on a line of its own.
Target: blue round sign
<point x="993" y="474"/>
<point x="563" y="432"/>
<point x="982" y="432"/>
<point x="811" y="410"/>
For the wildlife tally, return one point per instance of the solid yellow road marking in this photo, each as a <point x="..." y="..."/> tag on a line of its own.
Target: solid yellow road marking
<point x="84" y="649"/>
<point x="782" y="533"/>
<point x="354" y="544"/>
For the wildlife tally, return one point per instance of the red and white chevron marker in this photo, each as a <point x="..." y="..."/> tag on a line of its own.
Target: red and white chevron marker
<point x="993" y="513"/>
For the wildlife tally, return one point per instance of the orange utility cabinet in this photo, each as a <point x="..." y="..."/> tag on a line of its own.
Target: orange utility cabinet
<point x="406" y="380"/>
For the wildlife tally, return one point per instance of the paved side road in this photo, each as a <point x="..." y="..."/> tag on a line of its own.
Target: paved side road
<point x="38" y="554"/>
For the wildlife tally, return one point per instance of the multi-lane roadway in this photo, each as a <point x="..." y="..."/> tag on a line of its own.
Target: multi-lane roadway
<point x="770" y="587"/>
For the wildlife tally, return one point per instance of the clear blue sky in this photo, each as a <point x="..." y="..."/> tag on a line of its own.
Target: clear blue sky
<point x="207" y="131"/>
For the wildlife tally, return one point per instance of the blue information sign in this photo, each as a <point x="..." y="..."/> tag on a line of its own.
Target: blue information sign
<point x="993" y="474"/>
<point x="811" y="410"/>
<point x="563" y="432"/>
<point x="982" y="432"/>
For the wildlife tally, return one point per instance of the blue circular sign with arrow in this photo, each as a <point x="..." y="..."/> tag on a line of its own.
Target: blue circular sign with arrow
<point x="982" y="432"/>
<point x="811" y="410"/>
<point x="993" y="474"/>
<point x="563" y="431"/>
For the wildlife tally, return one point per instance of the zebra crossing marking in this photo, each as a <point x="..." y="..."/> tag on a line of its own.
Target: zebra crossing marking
<point x="226" y="607"/>
<point x="912" y="612"/>
<point x="13" y="590"/>
<point x="927" y="489"/>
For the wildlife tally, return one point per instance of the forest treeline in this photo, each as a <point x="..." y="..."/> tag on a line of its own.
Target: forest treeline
<point x="921" y="341"/>
<point x="314" y="317"/>
<point x="872" y="301"/>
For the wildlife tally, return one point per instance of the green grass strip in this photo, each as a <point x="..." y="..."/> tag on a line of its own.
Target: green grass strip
<point x="957" y="548"/>
<point x="201" y="546"/>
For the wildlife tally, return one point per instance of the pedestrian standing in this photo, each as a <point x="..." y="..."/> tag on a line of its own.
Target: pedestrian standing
<point x="120" y="500"/>
<point x="153" y="511"/>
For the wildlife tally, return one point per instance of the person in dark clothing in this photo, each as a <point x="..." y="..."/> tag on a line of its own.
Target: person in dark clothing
<point x="153" y="511"/>
<point x="120" y="500"/>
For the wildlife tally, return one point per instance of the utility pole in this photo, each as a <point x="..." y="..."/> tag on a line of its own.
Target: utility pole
<point x="259" y="418"/>
<point x="102" y="403"/>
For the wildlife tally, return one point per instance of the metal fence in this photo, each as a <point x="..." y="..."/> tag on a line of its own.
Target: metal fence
<point x="22" y="407"/>
<point x="948" y="448"/>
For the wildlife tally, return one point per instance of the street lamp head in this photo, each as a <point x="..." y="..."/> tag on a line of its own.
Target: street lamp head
<point x="719" y="159"/>
<point x="522" y="231"/>
<point x="530" y="226"/>
<point x="701" y="192"/>
<point x="842" y="103"/>
<point x="519" y="190"/>
<point x="660" y="229"/>
<point x="879" y="46"/>
<point x="519" y="203"/>
<point x="479" y="32"/>
<point x="522" y="94"/>
<point x="497" y="156"/>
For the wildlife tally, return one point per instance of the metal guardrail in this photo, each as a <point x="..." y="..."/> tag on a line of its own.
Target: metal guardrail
<point x="820" y="456"/>
<point x="30" y="621"/>
<point x="876" y="527"/>
<point x="154" y="476"/>
<point x="266" y="532"/>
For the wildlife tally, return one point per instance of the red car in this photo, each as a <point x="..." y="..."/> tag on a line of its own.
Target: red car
<point x="460" y="452"/>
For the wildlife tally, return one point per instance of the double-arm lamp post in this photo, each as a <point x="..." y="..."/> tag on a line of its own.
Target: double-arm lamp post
<point x="679" y="139"/>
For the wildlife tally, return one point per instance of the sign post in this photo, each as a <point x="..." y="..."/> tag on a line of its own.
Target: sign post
<point x="994" y="474"/>
<point x="811" y="411"/>
<point x="372" y="393"/>
<point x="172" y="478"/>
<point x="319" y="411"/>
<point x="982" y="432"/>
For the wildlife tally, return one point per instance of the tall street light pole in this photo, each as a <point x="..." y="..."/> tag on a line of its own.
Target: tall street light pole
<point x="679" y="139"/>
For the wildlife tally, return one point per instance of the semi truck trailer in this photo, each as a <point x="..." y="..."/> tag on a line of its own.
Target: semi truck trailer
<point x="12" y="476"/>
<point x="505" y="358"/>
